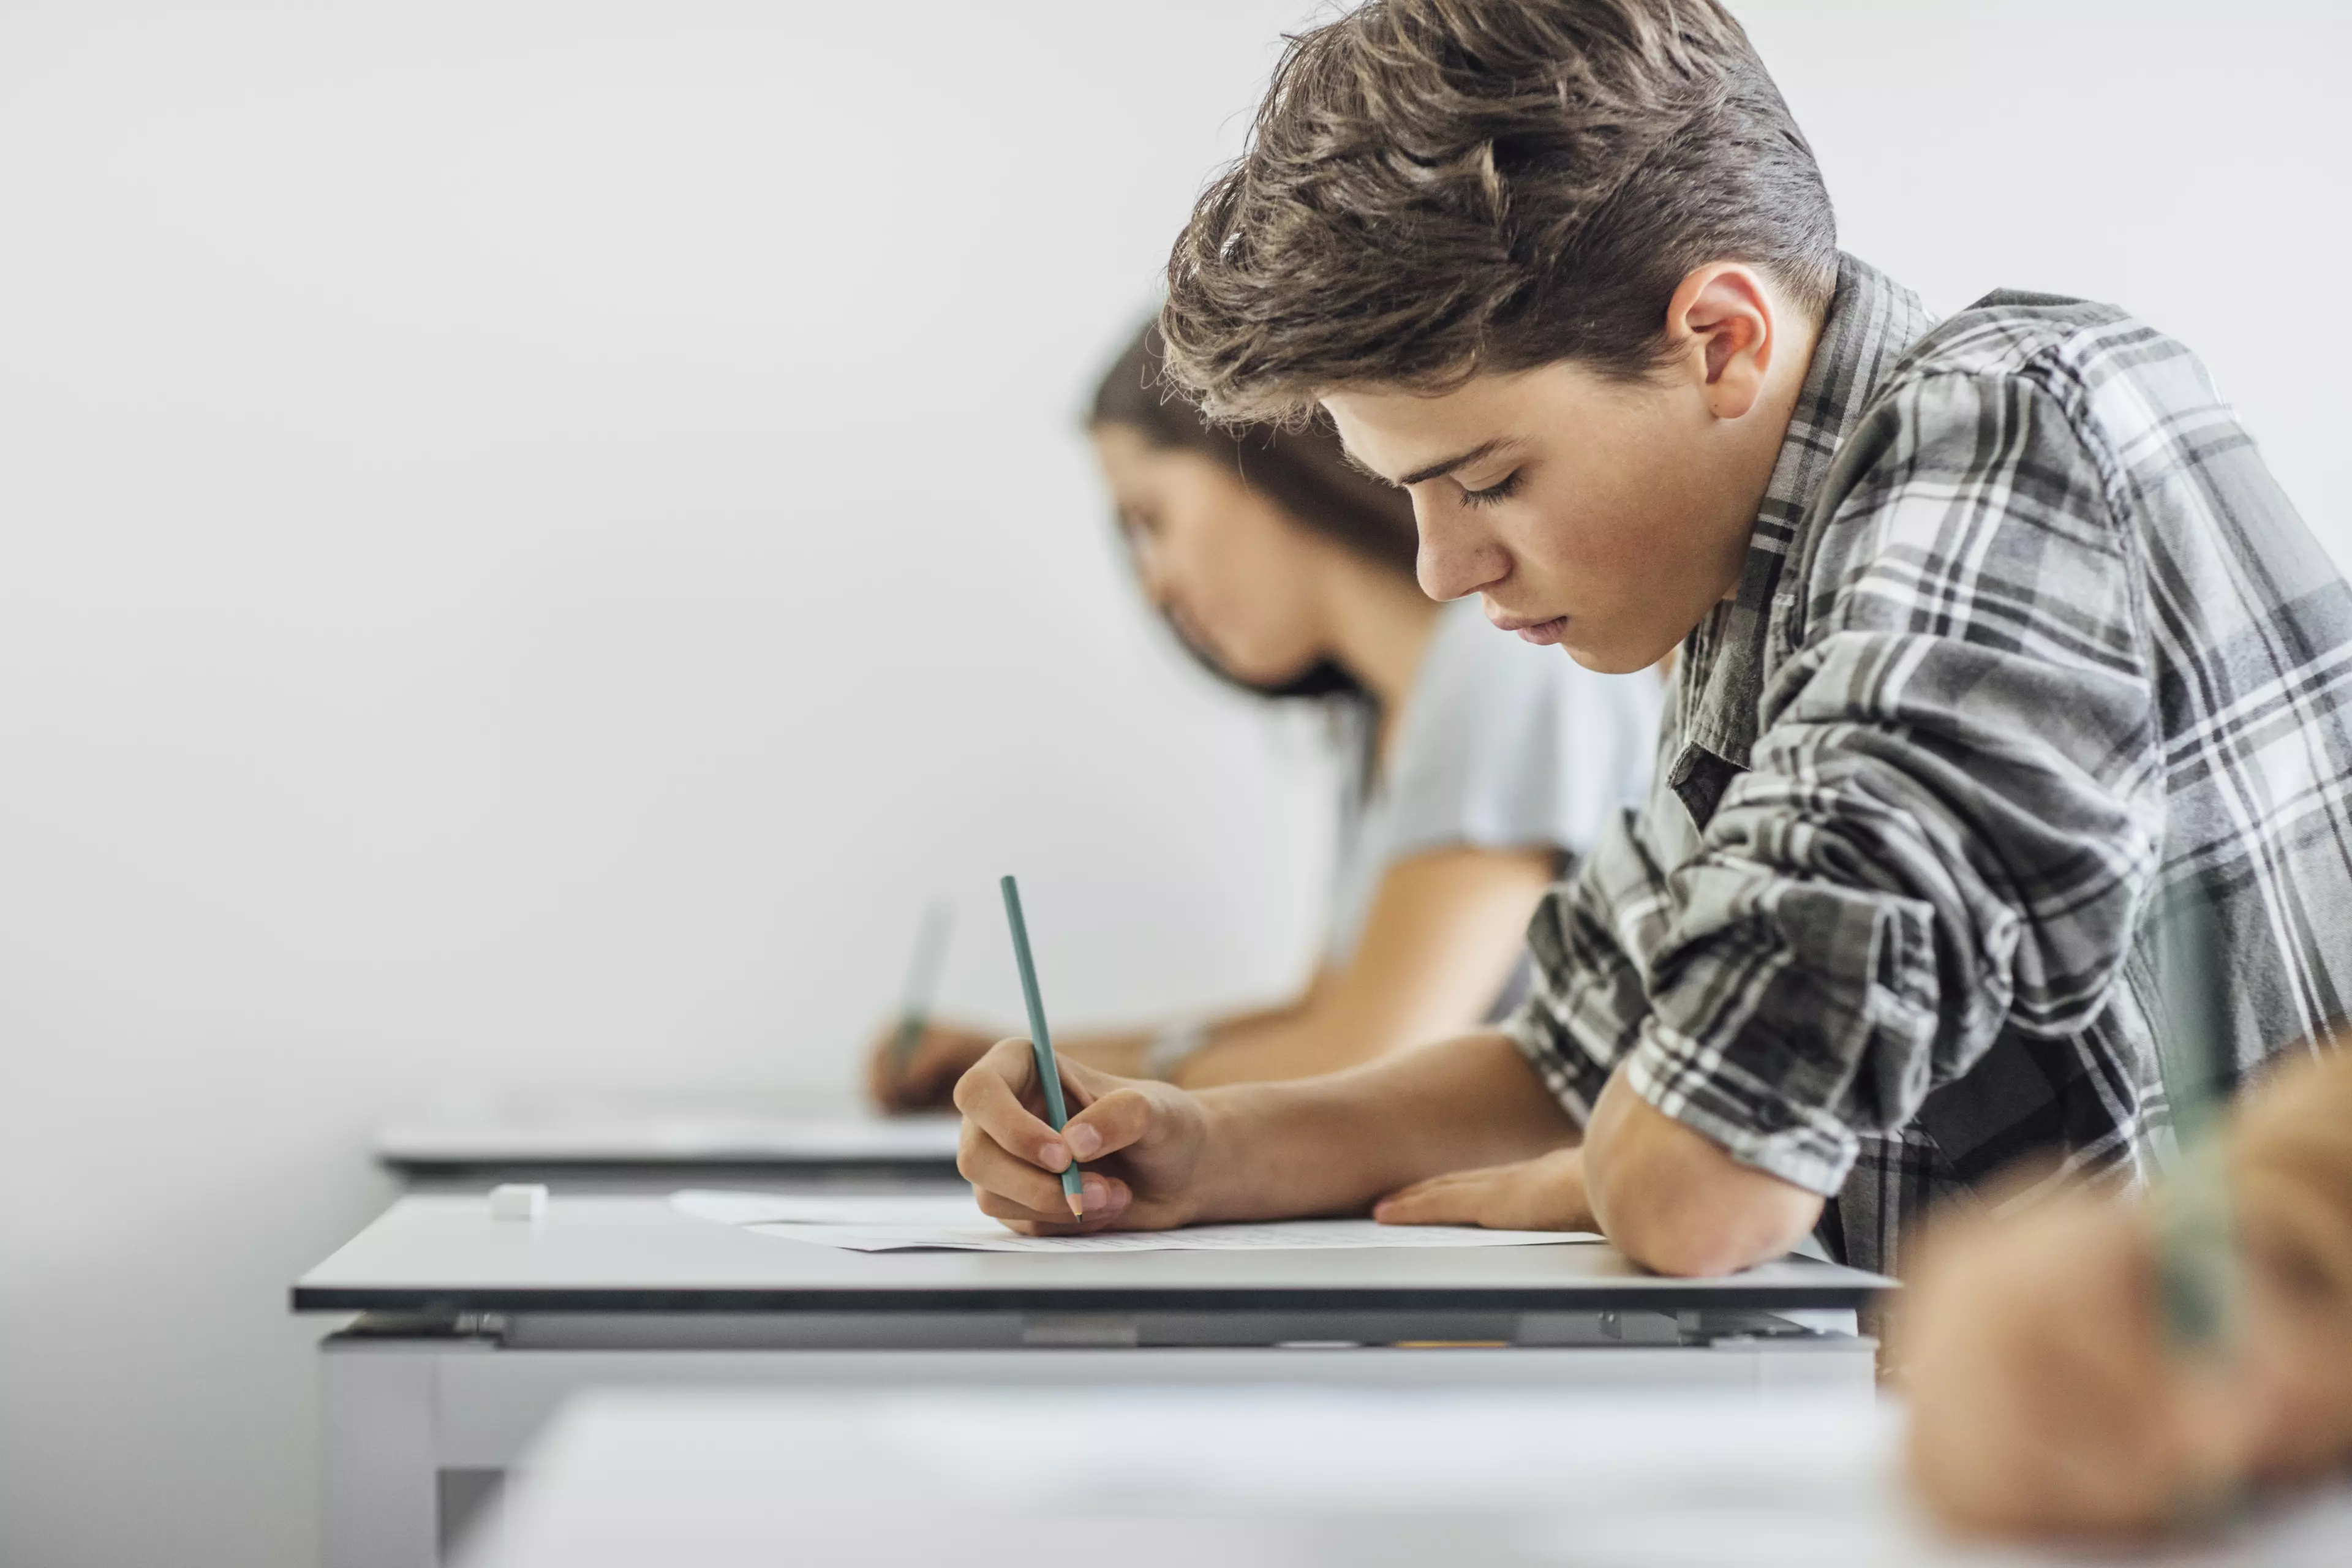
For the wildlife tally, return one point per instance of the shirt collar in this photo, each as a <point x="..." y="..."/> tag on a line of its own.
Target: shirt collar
<point x="1870" y="321"/>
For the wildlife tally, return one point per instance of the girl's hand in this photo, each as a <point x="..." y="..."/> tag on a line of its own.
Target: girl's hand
<point x="926" y="1080"/>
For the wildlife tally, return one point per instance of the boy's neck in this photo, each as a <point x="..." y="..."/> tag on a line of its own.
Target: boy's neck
<point x="1763" y="457"/>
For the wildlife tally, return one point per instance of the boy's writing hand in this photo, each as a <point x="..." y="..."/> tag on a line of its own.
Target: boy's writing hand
<point x="1143" y="1144"/>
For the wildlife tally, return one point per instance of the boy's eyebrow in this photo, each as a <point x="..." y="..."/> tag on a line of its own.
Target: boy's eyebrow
<point x="1462" y="459"/>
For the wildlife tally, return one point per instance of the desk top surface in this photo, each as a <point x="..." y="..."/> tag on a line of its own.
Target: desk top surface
<point x="603" y="1254"/>
<point x="1254" y="1476"/>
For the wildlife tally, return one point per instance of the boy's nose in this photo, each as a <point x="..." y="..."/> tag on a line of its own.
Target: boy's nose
<point x="1455" y="560"/>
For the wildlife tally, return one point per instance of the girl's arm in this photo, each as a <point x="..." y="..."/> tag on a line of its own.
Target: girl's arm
<point x="1444" y="929"/>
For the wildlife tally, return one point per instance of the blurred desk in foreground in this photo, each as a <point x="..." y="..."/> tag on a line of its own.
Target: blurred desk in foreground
<point x="675" y="1141"/>
<point x="1248" y="1477"/>
<point x="474" y="1329"/>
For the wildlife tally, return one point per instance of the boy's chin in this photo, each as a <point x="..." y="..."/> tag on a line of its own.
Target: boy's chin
<point x="1606" y="655"/>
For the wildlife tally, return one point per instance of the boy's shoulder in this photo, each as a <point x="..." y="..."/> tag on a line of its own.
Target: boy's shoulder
<point x="2014" y="436"/>
<point x="2074" y="350"/>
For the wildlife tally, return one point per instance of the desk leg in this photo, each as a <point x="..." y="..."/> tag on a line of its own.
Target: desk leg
<point x="379" y="1498"/>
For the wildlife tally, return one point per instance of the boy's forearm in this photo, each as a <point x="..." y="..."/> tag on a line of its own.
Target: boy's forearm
<point x="1332" y="1145"/>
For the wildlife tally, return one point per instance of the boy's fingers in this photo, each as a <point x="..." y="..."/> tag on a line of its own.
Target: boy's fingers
<point x="1111" y="1123"/>
<point x="1020" y="1217"/>
<point x="1011" y="1060"/>
<point x="990" y="1098"/>
<point x="1441" y="1200"/>
<point x="994" y="1171"/>
<point x="1403" y="1193"/>
<point x="1105" y="1200"/>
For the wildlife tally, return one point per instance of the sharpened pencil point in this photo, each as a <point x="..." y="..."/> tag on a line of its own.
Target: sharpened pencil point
<point x="1076" y="1206"/>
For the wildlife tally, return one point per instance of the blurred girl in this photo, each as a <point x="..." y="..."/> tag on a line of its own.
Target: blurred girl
<point x="1481" y="766"/>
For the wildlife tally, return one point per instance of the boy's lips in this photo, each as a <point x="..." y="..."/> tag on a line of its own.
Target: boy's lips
<point x="1543" y="634"/>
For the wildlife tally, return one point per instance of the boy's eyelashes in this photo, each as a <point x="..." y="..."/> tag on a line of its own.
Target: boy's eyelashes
<point x="1500" y="490"/>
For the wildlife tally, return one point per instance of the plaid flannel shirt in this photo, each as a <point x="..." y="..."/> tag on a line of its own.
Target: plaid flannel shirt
<point x="2028" y="638"/>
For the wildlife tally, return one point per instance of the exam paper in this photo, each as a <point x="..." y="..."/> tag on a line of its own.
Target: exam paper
<point x="952" y="1207"/>
<point x="897" y="1223"/>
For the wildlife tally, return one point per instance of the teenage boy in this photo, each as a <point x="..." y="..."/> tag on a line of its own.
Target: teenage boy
<point x="1991" y="635"/>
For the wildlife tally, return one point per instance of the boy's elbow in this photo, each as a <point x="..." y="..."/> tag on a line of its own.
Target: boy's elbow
<point x="1687" y="1240"/>
<point x="1675" y="1202"/>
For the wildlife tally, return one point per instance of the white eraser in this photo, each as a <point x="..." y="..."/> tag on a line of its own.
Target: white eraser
<point x="517" y="1200"/>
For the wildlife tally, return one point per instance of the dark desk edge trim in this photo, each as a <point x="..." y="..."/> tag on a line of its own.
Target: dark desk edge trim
<point x="1658" y="1296"/>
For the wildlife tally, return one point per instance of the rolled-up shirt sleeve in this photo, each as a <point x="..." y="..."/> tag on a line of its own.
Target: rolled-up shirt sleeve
<point x="1585" y="1007"/>
<point x="1952" y="809"/>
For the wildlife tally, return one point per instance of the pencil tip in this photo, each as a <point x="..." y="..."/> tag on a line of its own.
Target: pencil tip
<point x="1076" y="1206"/>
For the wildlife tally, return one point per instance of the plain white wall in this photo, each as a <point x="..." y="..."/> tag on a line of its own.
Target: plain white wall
<point x="532" y="538"/>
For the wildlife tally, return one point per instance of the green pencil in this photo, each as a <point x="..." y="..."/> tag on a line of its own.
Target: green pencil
<point x="2195" y="1252"/>
<point x="922" y="980"/>
<point x="1049" y="1072"/>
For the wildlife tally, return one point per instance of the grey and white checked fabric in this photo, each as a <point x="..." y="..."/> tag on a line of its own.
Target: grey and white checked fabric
<point x="2027" y="641"/>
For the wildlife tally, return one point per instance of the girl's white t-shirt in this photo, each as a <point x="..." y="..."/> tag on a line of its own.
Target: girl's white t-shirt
<point x="1501" y="745"/>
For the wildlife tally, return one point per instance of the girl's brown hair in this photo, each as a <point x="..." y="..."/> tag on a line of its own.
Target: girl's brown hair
<point x="1302" y="470"/>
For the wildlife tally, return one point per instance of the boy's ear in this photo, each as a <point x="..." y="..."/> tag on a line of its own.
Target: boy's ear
<point x="1724" y="323"/>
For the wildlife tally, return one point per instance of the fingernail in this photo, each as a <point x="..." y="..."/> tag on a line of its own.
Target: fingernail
<point x="1083" y="1141"/>
<point x="1053" y="1156"/>
<point x="1094" y="1194"/>
<point x="1379" y="1211"/>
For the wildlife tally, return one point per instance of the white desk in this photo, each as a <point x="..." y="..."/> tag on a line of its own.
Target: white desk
<point x="675" y="1141"/>
<point x="478" y="1329"/>
<point x="1246" y="1478"/>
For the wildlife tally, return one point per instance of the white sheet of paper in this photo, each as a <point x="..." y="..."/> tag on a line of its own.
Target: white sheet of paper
<point x="953" y="1208"/>
<point x="896" y="1223"/>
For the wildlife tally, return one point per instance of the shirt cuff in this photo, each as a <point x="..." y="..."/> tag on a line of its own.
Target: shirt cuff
<point x="1573" y="1078"/>
<point x="1756" y="1125"/>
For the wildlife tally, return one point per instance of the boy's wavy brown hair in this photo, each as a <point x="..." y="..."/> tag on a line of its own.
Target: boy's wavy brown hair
<point x="1437" y="188"/>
